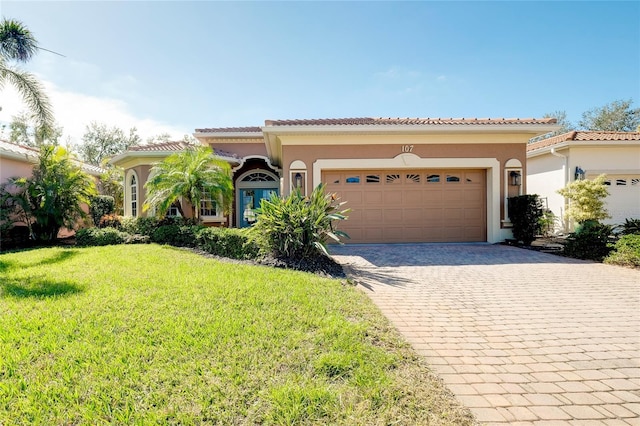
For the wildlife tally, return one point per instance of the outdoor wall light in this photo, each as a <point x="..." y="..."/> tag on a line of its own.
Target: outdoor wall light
<point x="297" y="179"/>
<point x="515" y="178"/>
<point x="579" y="173"/>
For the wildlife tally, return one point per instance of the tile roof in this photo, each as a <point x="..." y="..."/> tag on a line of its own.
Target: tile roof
<point x="17" y="149"/>
<point x="248" y="129"/>
<point x="584" y="136"/>
<point x="361" y="121"/>
<point x="162" y="146"/>
<point x="27" y="151"/>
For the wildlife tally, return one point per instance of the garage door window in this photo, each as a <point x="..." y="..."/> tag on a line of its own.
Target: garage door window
<point x="433" y="178"/>
<point x="453" y="178"/>
<point x="353" y="179"/>
<point x="373" y="179"/>
<point x="393" y="178"/>
<point x="413" y="178"/>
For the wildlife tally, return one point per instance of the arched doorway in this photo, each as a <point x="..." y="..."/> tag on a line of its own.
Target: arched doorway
<point x="251" y="187"/>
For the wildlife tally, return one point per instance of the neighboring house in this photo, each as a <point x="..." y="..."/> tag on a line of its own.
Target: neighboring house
<point x="18" y="161"/>
<point x="404" y="179"/>
<point x="553" y="163"/>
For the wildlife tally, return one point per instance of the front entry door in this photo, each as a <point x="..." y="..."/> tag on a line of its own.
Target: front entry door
<point x="249" y="201"/>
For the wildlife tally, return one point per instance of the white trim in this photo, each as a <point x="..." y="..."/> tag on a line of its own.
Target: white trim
<point x="259" y="157"/>
<point x="248" y="185"/>
<point x="410" y="161"/>
<point x="127" y="194"/>
<point x="513" y="163"/>
<point x="568" y="144"/>
<point x="297" y="165"/>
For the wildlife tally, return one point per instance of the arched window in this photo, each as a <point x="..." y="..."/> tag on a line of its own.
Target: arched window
<point x="133" y="185"/>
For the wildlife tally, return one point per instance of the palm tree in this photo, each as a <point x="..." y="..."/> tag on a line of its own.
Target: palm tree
<point x="17" y="43"/>
<point x="53" y="196"/>
<point x="192" y="175"/>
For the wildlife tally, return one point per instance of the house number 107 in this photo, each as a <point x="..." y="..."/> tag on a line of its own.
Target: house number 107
<point x="407" y="148"/>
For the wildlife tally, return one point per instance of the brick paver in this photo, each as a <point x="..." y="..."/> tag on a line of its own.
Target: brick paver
<point x="521" y="337"/>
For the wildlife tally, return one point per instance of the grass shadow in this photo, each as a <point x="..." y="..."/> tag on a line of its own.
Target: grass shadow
<point x="39" y="288"/>
<point x="57" y="257"/>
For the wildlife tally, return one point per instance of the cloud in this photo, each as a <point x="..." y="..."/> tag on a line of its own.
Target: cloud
<point x="74" y="111"/>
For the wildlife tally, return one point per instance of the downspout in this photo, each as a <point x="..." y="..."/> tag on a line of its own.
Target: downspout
<point x="566" y="179"/>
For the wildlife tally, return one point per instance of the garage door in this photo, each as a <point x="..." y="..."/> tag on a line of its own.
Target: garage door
<point x="411" y="205"/>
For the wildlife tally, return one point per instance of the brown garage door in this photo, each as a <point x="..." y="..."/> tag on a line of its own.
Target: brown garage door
<point x="411" y="205"/>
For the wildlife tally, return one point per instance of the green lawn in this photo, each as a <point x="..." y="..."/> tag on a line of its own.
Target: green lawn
<point x="146" y="334"/>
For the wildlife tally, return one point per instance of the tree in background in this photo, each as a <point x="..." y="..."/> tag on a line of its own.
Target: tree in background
<point x="562" y="121"/>
<point x="18" y="44"/>
<point x="161" y="138"/>
<point x="23" y="132"/>
<point x="101" y="142"/>
<point x="111" y="183"/>
<point x="617" y="116"/>
<point x="53" y="196"/>
<point x="586" y="199"/>
<point x="192" y="175"/>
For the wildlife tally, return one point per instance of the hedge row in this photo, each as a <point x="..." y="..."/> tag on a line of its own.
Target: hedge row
<point x="224" y="242"/>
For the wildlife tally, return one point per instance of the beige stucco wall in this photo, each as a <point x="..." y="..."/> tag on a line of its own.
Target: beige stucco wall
<point x="310" y="153"/>
<point x="10" y="167"/>
<point x="547" y="173"/>
<point x="242" y="148"/>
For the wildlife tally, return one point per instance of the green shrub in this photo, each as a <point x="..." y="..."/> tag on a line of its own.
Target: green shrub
<point x="148" y="225"/>
<point x="630" y="226"/>
<point x="592" y="240"/>
<point x="626" y="251"/>
<point x="227" y="242"/>
<point x="100" y="237"/>
<point x="525" y="212"/>
<point x="296" y="226"/>
<point x="176" y="235"/>
<point x="140" y="225"/>
<point x="586" y="199"/>
<point x="101" y="205"/>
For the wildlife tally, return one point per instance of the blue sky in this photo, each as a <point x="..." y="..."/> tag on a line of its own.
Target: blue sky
<point x="176" y="66"/>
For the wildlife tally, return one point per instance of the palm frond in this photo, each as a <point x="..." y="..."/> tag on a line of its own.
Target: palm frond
<point x="16" y="41"/>
<point x="32" y="92"/>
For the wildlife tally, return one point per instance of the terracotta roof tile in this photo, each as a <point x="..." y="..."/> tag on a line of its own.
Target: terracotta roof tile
<point x="407" y="121"/>
<point x="584" y="136"/>
<point x="162" y="146"/>
<point x="249" y="129"/>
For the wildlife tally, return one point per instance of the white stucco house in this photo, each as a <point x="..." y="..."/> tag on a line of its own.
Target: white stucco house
<point x="554" y="162"/>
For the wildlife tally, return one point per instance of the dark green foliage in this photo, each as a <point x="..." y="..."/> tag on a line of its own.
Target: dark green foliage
<point x="107" y="236"/>
<point x="630" y="226"/>
<point x="101" y="205"/>
<point x="525" y="212"/>
<point x="591" y="241"/>
<point x="100" y="237"/>
<point x="298" y="227"/>
<point x="53" y="196"/>
<point x="227" y="242"/>
<point x="148" y="225"/>
<point x="176" y="235"/>
<point x="140" y="225"/>
<point x="626" y="251"/>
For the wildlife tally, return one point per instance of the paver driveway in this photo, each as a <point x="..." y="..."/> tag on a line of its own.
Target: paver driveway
<point x="518" y="336"/>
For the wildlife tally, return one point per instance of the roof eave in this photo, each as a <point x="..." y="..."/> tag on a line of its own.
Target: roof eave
<point x="228" y="135"/>
<point x="534" y="129"/>
<point x="128" y="154"/>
